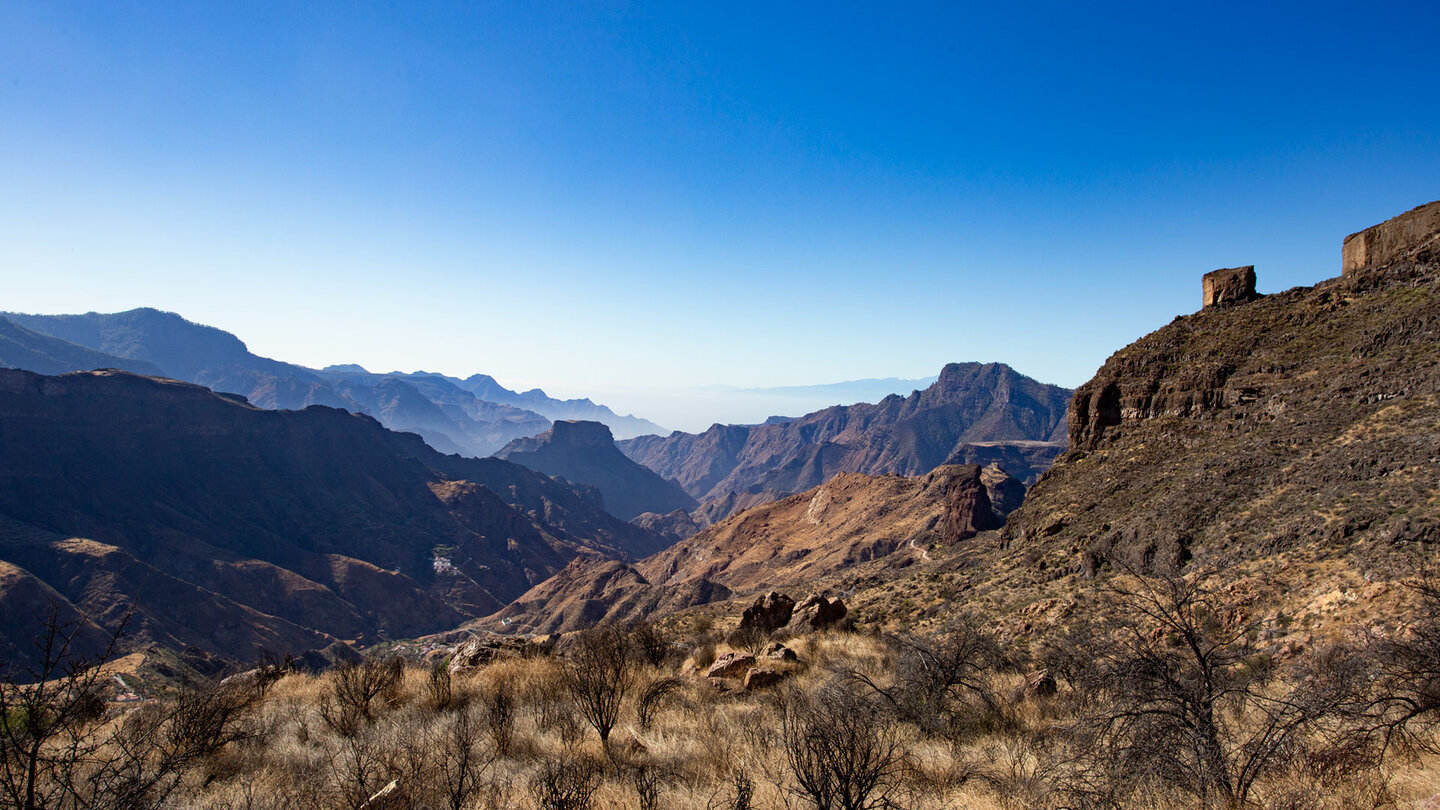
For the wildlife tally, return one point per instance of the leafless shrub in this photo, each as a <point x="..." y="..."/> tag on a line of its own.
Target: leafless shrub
<point x="598" y="675"/>
<point x="1403" y="708"/>
<point x="500" y="712"/>
<point x="565" y="784"/>
<point x="653" y="696"/>
<point x="650" y="644"/>
<point x="843" y="752"/>
<point x="738" y="794"/>
<point x="349" y="703"/>
<point x="439" y="692"/>
<point x="1181" y="705"/>
<point x="749" y="639"/>
<point x="942" y="680"/>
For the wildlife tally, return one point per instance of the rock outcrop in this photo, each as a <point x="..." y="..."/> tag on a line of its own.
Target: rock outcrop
<point x="768" y="614"/>
<point x="731" y="665"/>
<point x="1413" y="236"/>
<point x="585" y="452"/>
<point x="817" y="612"/>
<point x="1291" y="424"/>
<point x="1231" y="285"/>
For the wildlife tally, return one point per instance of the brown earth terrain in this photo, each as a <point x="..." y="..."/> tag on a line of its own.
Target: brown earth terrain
<point x="229" y="528"/>
<point x="787" y="544"/>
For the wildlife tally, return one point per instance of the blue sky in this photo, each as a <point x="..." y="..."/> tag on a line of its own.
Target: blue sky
<point x="620" y="200"/>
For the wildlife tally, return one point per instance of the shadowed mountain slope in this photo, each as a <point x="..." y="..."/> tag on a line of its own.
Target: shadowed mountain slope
<point x="970" y="404"/>
<point x="233" y="528"/>
<point x="585" y="452"/>
<point x="450" y="417"/>
<point x="43" y="354"/>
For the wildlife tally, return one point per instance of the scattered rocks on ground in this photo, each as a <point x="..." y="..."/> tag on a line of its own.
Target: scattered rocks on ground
<point x="763" y="677"/>
<point x="779" y="652"/>
<point x="731" y="665"/>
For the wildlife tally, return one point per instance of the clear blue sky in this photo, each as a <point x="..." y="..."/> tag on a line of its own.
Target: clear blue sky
<point x="612" y="198"/>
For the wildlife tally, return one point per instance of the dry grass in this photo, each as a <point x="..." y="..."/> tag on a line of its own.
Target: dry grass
<point x="707" y="744"/>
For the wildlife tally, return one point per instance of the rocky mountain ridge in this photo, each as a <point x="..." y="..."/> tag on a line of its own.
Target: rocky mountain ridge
<point x="790" y="543"/>
<point x="454" y="416"/>
<point x="973" y="413"/>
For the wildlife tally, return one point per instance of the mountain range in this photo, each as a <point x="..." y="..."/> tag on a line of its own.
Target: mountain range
<point x="231" y="528"/>
<point x="473" y="417"/>
<point x="973" y="413"/>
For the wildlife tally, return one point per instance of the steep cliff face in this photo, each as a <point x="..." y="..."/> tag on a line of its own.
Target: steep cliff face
<point x="1302" y="420"/>
<point x="969" y="406"/>
<point x="233" y="528"/>
<point x="585" y="452"/>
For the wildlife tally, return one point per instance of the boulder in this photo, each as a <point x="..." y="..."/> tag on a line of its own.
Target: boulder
<point x="731" y="665"/>
<point x="1040" y="683"/>
<point x="779" y="652"/>
<point x="816" y="613"/>
<point x="478" y="652"/>
<point x="1414" y="234"/>
<point x="1230" y="285"/>
<point x="769" y="613"/>
<point x="762" y="677"/>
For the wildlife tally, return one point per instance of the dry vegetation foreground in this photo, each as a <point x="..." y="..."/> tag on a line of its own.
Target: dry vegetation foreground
<point x="1152" y="700"/>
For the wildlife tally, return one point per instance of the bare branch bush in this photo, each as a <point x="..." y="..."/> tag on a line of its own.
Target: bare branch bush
<point x="598" y="674"/>
<point x="843" y="751"/>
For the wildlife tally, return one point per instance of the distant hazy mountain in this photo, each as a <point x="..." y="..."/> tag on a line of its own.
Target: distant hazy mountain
<point x="232" y="528"/>
<point x="445" y="411"/>
<point x="27" y="349"/>
<point x="585" y="452"/>
<point x="972" y="413"/>
<point x="485" y="387"/>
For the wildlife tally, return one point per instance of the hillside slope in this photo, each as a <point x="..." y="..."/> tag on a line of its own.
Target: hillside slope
<point x="233" y="528"/>
<point x="43" y="354"/>
<point x="791" y="543"/>
<point x="1303" y="420"/>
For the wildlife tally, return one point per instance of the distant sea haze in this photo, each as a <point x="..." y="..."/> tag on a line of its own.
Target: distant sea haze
<point x="695" y="409"/>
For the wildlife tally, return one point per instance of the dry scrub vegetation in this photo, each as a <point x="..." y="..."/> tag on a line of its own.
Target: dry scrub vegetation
<point x="1153" y="701"/>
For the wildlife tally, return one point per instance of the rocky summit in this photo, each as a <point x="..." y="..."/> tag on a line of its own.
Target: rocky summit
<point x="1300" y="421"/>
<point x="973" y="414"/>
<point x="585" y="452"/>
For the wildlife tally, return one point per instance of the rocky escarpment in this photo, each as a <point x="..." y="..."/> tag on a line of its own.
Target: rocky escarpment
<point x="974" y="413"/>
<point x="232" y="528"/>
<point x="1300" y="420"/>
<point x="585" y="452"/>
